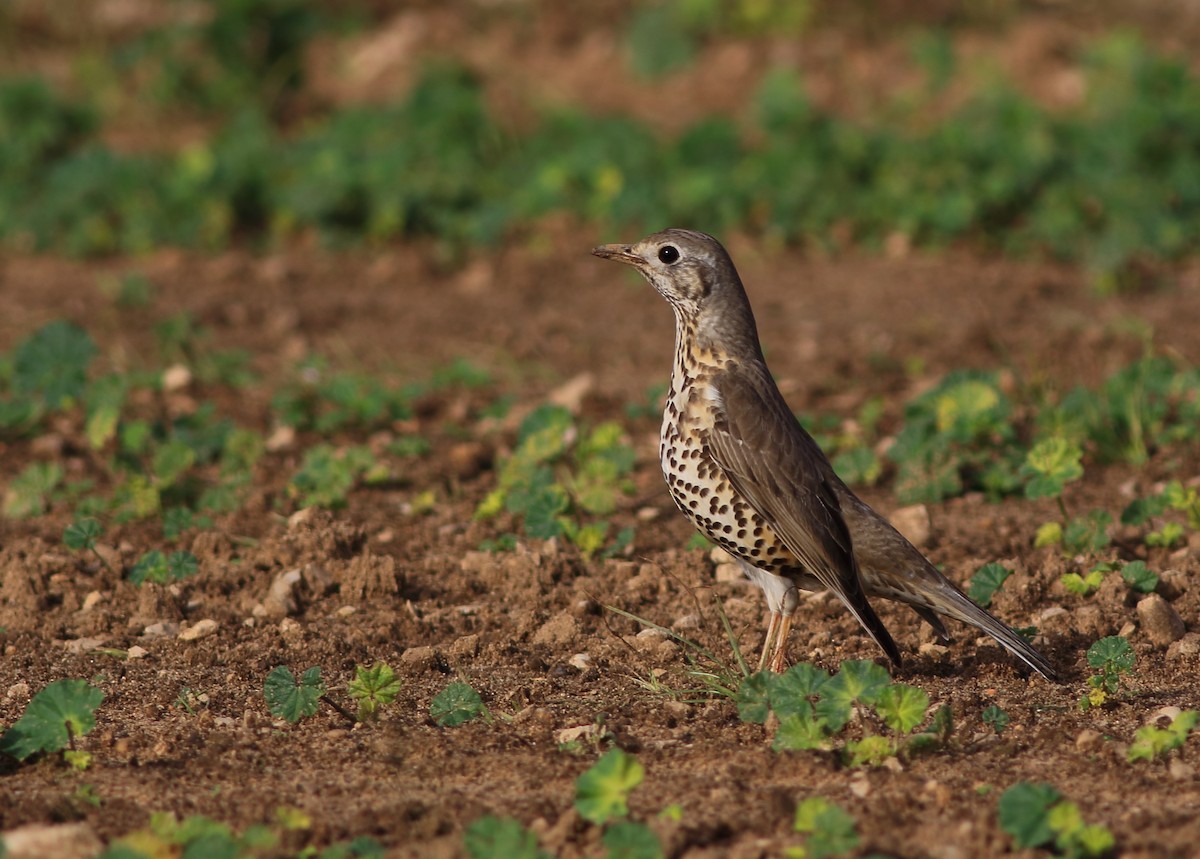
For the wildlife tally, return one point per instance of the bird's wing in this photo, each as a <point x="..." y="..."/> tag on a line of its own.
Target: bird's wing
<point x="777" y="467"/>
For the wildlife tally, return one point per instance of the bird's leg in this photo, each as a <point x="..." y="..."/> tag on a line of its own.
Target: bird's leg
<point x="772" y="631"/>
<point x="779" y="656"/>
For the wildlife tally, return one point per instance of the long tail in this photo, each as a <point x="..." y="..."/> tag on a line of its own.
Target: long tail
<point x="865" y="615"/>
<point x="935" y="592"/>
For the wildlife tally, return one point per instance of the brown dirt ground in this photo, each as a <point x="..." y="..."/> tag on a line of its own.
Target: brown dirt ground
<point x="836" y="331"/>
<point x="537" y="315"/>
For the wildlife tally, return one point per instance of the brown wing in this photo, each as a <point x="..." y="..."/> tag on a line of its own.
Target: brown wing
<point x="778" y="468"/>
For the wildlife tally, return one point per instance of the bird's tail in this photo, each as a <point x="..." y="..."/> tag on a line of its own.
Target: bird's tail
<point x="865" y="615"/>
<point x="942" y="596"/>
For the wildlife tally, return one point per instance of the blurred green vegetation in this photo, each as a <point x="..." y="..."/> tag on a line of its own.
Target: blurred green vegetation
<point x="1113" y="184"/>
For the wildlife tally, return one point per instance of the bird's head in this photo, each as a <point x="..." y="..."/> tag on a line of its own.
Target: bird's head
<point x="694" y="273"/>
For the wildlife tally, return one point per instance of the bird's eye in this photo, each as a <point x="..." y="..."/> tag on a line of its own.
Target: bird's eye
<point x="668" y="254"/>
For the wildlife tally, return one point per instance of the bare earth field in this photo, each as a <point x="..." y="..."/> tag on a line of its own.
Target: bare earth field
<point x="411" y="588"/>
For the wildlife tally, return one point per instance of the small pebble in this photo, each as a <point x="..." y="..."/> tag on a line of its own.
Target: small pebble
<point x="198" y="630"/>
<point x="582" y="661"/>
<point x="1161" y="623"/>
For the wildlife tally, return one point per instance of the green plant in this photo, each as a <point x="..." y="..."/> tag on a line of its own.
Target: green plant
<point x="630" y="839"/>
<point x="373" y="688"/>
<point x="490" y="837"/>
<point x="291" y="699"/>
<point x="82" y="534"/>
<point x="1036" y="815"/>
<point x="986" y="582"/>
<point x="1151" y="742"/>
<point x="1051" y="464"/>
<point x="1113" y="658"/>
<point x="813" y="707"/>
<point x="54" y="717"/>
<point x="554" y="484"/>
<point x="28" y="494"/>
<point x="161" y="569"/>
<point x="956" y="437"/>
<point x="602" y="791"/>
<point x="830" y="830"/>
<point x="995" y="718"/>
<point x="456" y="704"/>
<point x="327" y="474"/>
<point x="1083" y="585"/>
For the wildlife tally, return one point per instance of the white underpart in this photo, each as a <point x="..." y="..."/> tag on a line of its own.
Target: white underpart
<point x="780" y="592"/>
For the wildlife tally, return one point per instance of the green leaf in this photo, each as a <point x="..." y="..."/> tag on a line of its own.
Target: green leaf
<point x="28" y="493"/>
<point x="1024" y="811"/>
<point x="101" y="426"/>
<point x="53" y="363"/>
<point x="1139" y="577"/>
<point x="602" y="792"/>
<point x="1087" y="533"/>
<point x="496" y="837"/>
<point x="373" y="687"/>
<point x="629" y="840"/>
<point x="1142" y="510"/>
<point x="831" y="830"/>
<point x="1052" y="463"/>
<point x="456" y="704"/>
<point x="790" y="691"/>
<point x="161" y="569"/>
<point x="902" y="707"/>
<point x="1113" y="651"/>
<point x="82" y="534"/>
<point x="291" y="700"/>
<point x="995" y="718"/>
<point x="62" y="709"/>
<point x="171" y="461"/>
<point x="753" y="698"/>
<point x="871" y="750"/>
<point x="800" y="730"/>
<point x="1082" y="585"/>
<point x="1048" y="534"/>
<point x="857" y="680"/>
<point x="987" y="580"/>
<point x="1151" y="741"/>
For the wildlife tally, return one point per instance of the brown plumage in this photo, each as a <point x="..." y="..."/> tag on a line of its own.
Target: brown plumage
<point x="741" y="467"/>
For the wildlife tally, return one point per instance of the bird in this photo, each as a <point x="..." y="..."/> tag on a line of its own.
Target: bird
<point x="741" y="467"/>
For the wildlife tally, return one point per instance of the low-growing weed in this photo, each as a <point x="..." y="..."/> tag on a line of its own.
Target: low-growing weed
<point x="1036" y="815"/>
<point x="829" y="830"/>
<point x="556" y="480"/>
<point x="54" y="717"/>
<point x="956" y="436"/>
<point x="813" y="707"/>
<point x="373" y="688"/>
<point x="1135" y="574"/>
<point x="457" y="704"/>
<point x="602" y="792"/>
<point x="291" y="699"/>
<point x="199" y="836"/>
<point x="986" y="582"/>
<point x="1152" y="742"/>
<point x="1113" y="658"/>
<point x="995" y="718"/>
<point x="162" y="569"/>
<point x="327" y="474"/>
<point x="491" y="837"/>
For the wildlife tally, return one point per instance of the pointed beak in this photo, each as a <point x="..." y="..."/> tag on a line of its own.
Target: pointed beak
<point x="619" y="253"/>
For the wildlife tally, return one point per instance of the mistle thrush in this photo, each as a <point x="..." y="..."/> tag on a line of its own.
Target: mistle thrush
<point x="740" y="466"/>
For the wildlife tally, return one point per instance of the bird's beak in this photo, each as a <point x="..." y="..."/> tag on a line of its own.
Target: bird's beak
<point x="620" y="253"/>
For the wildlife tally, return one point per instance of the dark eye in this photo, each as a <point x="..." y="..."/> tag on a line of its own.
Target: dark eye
<point x="668" y="254"/>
